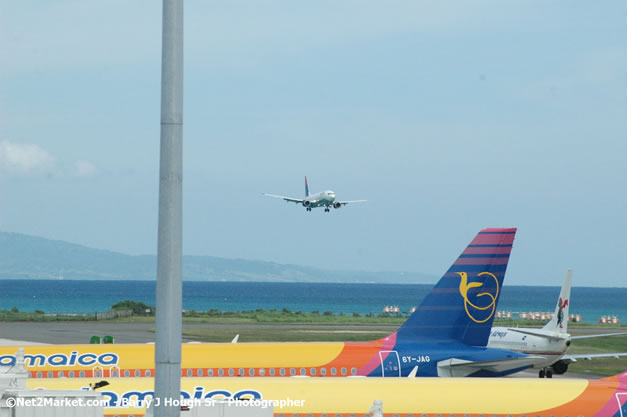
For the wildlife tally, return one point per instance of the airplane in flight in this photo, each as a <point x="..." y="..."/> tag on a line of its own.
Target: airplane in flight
<point x="551" y="341"/>
<point x="445" y="336"/>
<point x="324" y="199"/>
<point x="349" y="397"/>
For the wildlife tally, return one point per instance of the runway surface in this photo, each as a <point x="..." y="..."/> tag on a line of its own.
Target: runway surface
<point x="81" y="331"/>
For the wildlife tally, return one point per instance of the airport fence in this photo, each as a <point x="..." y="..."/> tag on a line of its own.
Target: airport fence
<point x="113" y="314"/>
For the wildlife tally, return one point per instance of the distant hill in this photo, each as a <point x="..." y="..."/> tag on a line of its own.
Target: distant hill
<point x="30" y="257"/>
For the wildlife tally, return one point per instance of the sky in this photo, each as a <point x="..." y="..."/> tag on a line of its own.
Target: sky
<point x="447" y="117"/>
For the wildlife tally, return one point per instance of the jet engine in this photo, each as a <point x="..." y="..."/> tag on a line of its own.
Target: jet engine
<point x="306" y="203"/>
<point x="337" y="205"/>
<point x="560" y="367"/>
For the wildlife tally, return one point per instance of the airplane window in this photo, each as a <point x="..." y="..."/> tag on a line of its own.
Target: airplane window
<point x="312" y="371"/>
<point x="251" y="372"/>
<point x="127" y="373"/>
<point x="138" y="372"/>
<point x="262" y="372"/>
<point x="221" y="372"/>
<point x="60" y="374"/>
<point x="231" y="372"/>
<point x="333" y="371"/>
<point x="81" y="374"/>
<point x="241" y="372"/>
<point x="343" y="371"/>
<point x="323" y="371"/>
<point x="303" y="371"/>
<point x="147" y="373"/>
<point x="353" y="371"/>
<point x="209" y="372"/>
<point x="49" y="374"/>
<point x="292" y="371"/>
<point x="272" y="371"/>
<point x="39" y="374"/>
<point x="282" y="371"/>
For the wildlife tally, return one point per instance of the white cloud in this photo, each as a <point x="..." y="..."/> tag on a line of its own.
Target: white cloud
<point x="85" y="169"/>
<point x="24" y="159"/>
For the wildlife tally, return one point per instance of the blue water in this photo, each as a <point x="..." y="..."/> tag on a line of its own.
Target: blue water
<point x="67" y="296"/>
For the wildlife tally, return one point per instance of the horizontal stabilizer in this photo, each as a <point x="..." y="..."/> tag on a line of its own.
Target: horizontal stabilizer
<point x="530" y="332"/>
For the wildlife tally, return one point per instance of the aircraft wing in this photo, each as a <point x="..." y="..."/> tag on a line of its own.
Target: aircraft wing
<point x="290" y="199"/>
<point x="590" y="356"/>
<point x="461" y="368"/>
<point x="351" y="201"/>
<point x="588" y="336"/>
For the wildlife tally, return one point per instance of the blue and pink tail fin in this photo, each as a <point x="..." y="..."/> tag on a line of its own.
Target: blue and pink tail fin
<point x="462" y="305"/>
<point x="306" y="188"/>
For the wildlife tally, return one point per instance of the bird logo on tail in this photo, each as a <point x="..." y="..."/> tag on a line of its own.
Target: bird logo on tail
<point x="465" y="287"/>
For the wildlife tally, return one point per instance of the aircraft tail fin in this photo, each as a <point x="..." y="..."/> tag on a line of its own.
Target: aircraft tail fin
<point x="559" y="322"/>
<point x="306" y="188"/>
<point x="462" y="305"/>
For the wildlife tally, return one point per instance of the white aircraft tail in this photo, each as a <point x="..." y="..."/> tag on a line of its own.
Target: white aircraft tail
<point x="559" y="322"/>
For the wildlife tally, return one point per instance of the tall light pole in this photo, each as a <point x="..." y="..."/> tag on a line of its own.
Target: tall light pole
<point x="170" y="240"/>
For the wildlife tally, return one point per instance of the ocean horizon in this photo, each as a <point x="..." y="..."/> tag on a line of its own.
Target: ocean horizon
<point x="89" y="296"/>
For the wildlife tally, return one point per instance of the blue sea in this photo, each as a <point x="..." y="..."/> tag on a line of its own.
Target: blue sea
<point x="68" y="296"/>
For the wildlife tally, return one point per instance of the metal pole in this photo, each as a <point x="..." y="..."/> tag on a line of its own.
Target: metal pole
<point x="170" y="242"/>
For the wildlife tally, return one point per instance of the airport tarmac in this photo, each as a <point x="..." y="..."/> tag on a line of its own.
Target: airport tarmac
<point x="77" y="332"/>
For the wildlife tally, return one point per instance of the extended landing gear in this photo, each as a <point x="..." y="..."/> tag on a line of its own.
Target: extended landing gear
<point x="326" y="210"/>
<point x="308" y="208"/>
<point x="545" y="372"/>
